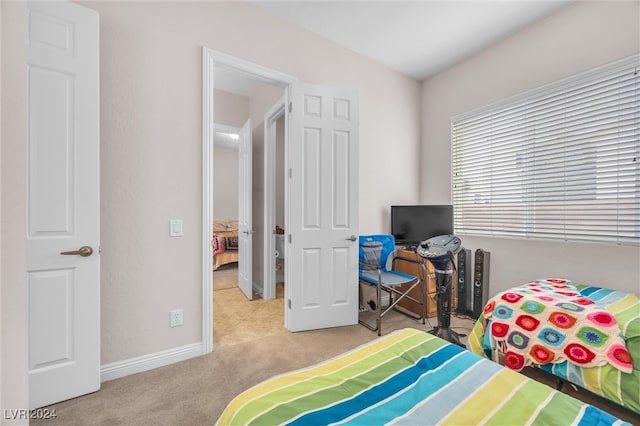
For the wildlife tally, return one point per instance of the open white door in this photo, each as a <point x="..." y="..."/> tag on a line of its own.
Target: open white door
<point x="322" y="208"/>
<point x="245" y="213"/>
<point x="63" y="202"/>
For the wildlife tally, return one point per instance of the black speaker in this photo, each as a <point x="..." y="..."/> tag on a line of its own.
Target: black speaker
<point x="464" y="285"/>
<point x="480" y="281"/>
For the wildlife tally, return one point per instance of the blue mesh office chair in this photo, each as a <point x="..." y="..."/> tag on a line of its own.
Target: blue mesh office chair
<point x="375" y="251"/>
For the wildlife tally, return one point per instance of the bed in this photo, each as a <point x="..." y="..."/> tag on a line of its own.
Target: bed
<point x="615" y="380"/>
<point x="224" y="243"/>
<point x="408" y="377"/>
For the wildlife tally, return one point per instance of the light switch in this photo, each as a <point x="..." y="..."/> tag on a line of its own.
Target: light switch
<point x="175" y="228"/>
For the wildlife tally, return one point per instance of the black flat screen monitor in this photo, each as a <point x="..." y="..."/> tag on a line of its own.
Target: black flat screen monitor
<point x="412" y="224"/>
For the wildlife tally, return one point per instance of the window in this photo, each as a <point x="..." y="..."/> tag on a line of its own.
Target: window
<point x="559" y="162"/>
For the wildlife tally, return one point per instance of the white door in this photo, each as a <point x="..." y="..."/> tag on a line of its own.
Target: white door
<point x="245" y="222"/>
<point x="322" y="208"/>
<point x="63" y="202"/>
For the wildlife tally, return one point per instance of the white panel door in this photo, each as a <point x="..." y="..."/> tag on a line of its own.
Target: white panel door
<point x="322" y="208"/>
<point x="245" y="213"/>
<point x="63" y="202"/>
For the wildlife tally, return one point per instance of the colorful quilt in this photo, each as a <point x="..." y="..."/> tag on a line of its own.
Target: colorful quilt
<point x="224" y="245"/>
<point x="549" y="321"/>
<point x="408" y="377"/>
<point x="608" y="381"/>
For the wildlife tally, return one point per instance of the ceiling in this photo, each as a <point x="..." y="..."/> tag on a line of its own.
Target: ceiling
<point x="416" y="38"/>
<point x="231" y="81"/>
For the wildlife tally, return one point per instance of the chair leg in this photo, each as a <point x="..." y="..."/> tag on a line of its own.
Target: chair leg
<point x="378" y="316"/>
<point x="393" y="301"/>
<point x="379" y="309"/>
<point x="405" y="294"/>
<point x="369" y="326"/>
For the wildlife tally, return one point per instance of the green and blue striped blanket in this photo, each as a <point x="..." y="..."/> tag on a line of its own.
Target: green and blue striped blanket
<point x="408" y="377"/>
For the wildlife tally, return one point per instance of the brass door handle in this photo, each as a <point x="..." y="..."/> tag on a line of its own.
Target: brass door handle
<point x="83" y="251"/>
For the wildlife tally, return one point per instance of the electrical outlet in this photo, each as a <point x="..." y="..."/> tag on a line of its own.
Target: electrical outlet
<point x="175" y="318"/>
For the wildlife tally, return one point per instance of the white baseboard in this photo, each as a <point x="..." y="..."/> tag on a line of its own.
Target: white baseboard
<point x="148" y="362"/>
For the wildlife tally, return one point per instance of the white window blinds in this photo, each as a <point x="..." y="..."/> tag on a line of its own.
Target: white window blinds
<point x="560" y="162"/>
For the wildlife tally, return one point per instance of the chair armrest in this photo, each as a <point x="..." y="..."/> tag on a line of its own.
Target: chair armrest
<point x="406" y="259"/>
<point x="423" y="268"/>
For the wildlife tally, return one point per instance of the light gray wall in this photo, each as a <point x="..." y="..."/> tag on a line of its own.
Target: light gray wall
<point x="225" y="186"/>
<point x="230" y="109"/>
<point x="582" y="36"/>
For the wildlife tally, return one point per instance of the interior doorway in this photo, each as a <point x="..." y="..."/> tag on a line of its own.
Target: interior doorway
<point x="214" y="65"/>
<point x="241" y="313"/>
<point x="321" y="163"/>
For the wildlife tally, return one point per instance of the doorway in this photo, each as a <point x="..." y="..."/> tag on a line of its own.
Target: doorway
<point x="214" y="64"/>
<point x="321" y="198"/>
<point x="241" y="313"/>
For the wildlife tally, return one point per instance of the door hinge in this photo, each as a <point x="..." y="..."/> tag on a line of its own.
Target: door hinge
<point x="290" y="106"/>
<point x="290" y="172"/>
<point x="289" y="303"/>
<point x="289" y="238"/>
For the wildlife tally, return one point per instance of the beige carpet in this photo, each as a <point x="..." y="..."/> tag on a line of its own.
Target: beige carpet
<point x="238" y="320"/>
<point x="226" y="276"/>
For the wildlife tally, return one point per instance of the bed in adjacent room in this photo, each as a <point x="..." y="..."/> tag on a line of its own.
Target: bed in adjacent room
<point x="224" y="242"/>
<point x="588" y="336"/>
<point x="408" y="377"/>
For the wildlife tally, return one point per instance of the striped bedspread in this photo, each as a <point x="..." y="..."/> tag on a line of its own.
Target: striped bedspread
<point x="408" y="377"/>
<point x="606" y="381"/>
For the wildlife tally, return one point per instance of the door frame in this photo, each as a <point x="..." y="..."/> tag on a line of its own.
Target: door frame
<point x="270" y="117"/>
<point x="211" y="59"/>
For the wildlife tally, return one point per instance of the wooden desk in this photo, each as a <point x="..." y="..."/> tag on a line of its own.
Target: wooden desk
<point x="414" y="269"/>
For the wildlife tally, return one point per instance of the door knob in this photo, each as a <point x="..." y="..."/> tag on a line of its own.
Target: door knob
<point x="352" y="238"/>
<point x="248" y="232"/>
<point x="83" y="251"/>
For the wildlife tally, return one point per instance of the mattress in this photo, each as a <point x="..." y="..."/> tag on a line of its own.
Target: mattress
<point x="606" y="380"/>
<point x="408" y="377"/>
